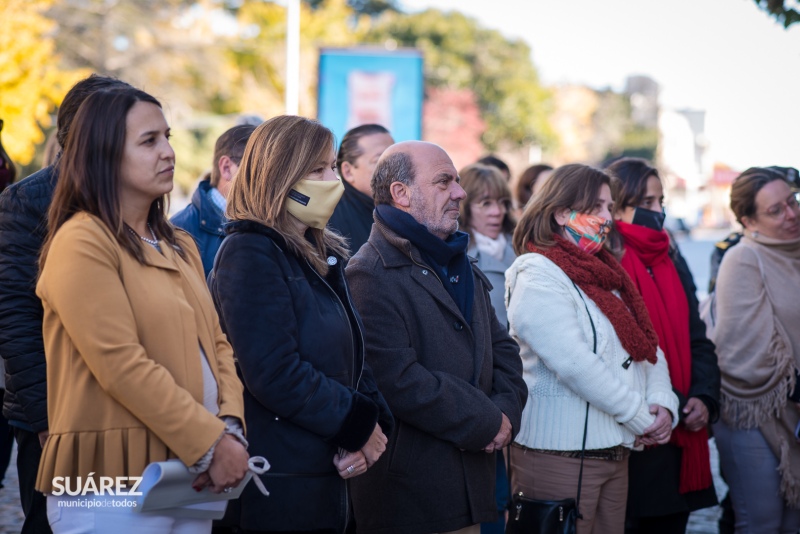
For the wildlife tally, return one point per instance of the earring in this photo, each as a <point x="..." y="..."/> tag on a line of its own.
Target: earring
<point x="755" y="234"/>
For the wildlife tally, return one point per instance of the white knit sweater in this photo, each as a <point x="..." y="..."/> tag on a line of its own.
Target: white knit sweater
<point x="548" y="319"/>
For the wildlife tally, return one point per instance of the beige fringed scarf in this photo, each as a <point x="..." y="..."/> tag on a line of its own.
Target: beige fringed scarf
<point x="758" y="345"/>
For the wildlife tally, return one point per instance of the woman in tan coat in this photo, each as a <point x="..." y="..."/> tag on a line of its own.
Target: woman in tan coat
<point x="758" y="346"/>
<point x="138" y="369"/>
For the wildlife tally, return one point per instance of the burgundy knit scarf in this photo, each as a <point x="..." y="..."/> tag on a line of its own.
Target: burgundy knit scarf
<point x="598" y="275"/>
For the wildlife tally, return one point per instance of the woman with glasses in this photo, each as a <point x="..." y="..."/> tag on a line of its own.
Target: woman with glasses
<point x="486" y="216"/>
<point x="758" y="346"/>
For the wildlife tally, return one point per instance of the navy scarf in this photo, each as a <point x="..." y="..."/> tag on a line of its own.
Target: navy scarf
<point x="448" y="258"/>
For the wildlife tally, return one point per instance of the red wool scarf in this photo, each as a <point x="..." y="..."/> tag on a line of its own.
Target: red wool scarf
<point x="598" y="275"/>
<point x="666" y="302"/>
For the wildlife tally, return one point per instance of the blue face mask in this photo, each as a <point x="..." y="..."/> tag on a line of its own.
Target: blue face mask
<point x="649" y="218"/>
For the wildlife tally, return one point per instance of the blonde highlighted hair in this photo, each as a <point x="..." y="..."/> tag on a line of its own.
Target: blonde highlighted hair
<point x="281" y="152"/>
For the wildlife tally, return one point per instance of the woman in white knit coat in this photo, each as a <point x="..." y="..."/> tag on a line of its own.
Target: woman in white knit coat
<point x="758" y="347"/>
<point x="566" y="293"/>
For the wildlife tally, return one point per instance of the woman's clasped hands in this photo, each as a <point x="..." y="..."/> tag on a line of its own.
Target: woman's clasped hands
<point x="228" y="468"/>
<point x="352" y="464"/>
<point x="660" y="431"/>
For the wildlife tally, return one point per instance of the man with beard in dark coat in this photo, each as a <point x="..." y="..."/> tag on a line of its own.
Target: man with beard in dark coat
<point x="448" y="369"/>
<point x="23" y="227"/>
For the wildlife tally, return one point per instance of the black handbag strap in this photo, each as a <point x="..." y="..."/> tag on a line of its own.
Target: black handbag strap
<point x="586" y="421"/>
<point x="585" y="424"/>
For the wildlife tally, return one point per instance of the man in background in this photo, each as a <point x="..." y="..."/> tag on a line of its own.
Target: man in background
<point x="204" y="216"/>
<point x="358" y="154"/>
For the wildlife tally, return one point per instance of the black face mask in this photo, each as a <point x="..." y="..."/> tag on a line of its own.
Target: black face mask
<point x="649" y="218"/>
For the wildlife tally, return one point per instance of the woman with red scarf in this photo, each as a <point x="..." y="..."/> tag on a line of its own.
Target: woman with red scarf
<point x="589" y="353"/>
<point x="667" y="482"/>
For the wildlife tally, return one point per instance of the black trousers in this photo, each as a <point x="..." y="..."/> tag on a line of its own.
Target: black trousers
<point x="34" y="504"/>
<point x="665" y="524"/>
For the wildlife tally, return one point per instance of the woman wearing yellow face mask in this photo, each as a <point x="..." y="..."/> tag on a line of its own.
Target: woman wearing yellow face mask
<point x="279" y="287"/>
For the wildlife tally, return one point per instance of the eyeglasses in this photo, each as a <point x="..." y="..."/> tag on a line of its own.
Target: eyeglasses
<point x="490" y="203"/>
<point x="779" y="210"/>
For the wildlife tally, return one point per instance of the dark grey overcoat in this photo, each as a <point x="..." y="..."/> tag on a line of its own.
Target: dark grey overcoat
<point x="446" y="382"/>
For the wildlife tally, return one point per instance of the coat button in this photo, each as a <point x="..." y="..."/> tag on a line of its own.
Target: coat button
<point x="458" y="326"/>
<point x="425" y="271"/>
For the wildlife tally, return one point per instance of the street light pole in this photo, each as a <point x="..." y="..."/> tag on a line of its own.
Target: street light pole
<point x="292" y="57"/>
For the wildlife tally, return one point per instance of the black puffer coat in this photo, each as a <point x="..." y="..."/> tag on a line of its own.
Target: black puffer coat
<point x="23" y="228"/>
<point x="299" y="348"/>
<point x="353" y="217"/>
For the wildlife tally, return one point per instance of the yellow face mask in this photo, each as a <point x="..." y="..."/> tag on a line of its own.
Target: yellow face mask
<point x="313" y="201"/>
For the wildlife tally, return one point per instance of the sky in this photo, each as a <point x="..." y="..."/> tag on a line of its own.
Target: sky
<point x="726" y="57"/>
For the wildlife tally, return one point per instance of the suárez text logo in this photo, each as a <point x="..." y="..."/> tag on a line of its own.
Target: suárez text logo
<point x="88" y="486"/>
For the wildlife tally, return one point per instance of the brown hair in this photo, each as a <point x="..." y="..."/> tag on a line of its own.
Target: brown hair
<point x="281" y="152"/>
<point x="497" y="163"/>
<point x="52" y="150"/>
<point x="573" y="187"/>
<point x="477" y="179"/>
<point x="745" y="188"/>
<point x="90" y="172"/>
<point x="350" y="150"/>
<point x="75" y="97"/>
<point x="629" y="181"/>
<point x="231" y="144"/>
<point x="524" y="188"/>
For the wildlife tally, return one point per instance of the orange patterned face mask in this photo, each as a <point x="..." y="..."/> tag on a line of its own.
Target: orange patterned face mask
<point x="587" y="231"/>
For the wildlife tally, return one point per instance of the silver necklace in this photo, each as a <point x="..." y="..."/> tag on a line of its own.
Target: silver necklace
<point x="152" y="242"/>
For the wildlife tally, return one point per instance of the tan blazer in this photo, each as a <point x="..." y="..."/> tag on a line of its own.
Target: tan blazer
<point x="122" y="343"/>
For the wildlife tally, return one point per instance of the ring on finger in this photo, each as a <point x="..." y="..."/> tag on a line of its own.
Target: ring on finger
<point x="351" y="469"/>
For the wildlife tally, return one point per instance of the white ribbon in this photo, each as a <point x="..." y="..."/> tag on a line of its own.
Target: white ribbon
<point x="257" y="469"/>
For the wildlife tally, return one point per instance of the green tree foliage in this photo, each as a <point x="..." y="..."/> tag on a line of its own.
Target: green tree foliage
<point x="778" y="8"/>
<point x="210" y="60"/>
<point x="459" y="53"/>
<point x="175" y="50"/>
<point x="363" y="7"/>
<point x="32" y="83"/>
<point x="259" y="57"/>
<point x="615" y="133"/>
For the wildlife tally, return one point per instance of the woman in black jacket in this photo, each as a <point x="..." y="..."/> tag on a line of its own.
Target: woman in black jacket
<point x="311" y="405"/>
<point x="667" y="482"/>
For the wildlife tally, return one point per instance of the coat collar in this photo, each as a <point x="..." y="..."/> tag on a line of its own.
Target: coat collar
<point x="396" y="252"/>
<point x="490" y="264"/>
<point x="254" y="227"/>
<point x="357" y="196"/>
<point x="211" y="218"/>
